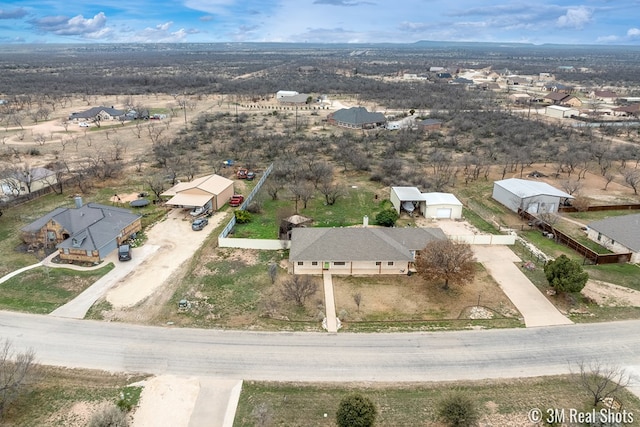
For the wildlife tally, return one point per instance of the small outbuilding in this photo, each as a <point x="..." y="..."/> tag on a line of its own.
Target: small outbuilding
<point x="561" y="112"/>
<point x="431" y="205"/>
<point x="531" y="196"/>
<point x="442" y="206"/>
<point x="211" y="190"/>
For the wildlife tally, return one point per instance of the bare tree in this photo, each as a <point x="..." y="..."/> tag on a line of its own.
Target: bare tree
<point x="571" y="186"/>
<point x="331" y="191"/>
<point x="601" y="380"/>
<point x="357" y="298"/>
<point x="157" y="184"/>
<point x="299" y="288"/>
<point x="446" y="260"/>
<point x="262" y="415"/>
<point x="632" y="177"/>
<point x="16" y="369"/>
<point x="302" y="191"/>
<point x="273" y="272"/>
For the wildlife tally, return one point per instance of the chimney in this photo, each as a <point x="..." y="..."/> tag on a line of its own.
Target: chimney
<point x="78" y="201"/>
<point x="365" y="221"/>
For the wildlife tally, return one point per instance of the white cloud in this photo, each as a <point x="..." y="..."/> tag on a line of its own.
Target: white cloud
<point x="576" y="17"/>
<point x="91" y="28"/>
<point x="159" y="34"/>
<point x="633" y="32"/>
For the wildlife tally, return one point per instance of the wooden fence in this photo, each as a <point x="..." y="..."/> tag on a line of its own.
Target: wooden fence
<point x="563" y="238"/>
<point x="601" y="208"/>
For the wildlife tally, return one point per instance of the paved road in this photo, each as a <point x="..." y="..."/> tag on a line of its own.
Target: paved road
<point x="321" y="357"/>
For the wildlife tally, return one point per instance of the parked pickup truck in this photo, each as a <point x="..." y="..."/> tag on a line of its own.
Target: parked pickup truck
<point x="236" y="200"/>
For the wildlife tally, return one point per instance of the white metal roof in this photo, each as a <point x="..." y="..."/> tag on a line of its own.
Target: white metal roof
<point x="408" y="193"/>
<point x="441" y="199"/>
<point x="524" y="188"/>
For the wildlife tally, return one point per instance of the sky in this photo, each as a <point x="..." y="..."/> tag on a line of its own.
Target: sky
<point x="604" y="22"/>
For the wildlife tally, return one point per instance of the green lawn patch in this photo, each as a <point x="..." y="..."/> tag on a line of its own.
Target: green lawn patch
<point x="43" y="289"/>
<point x="501" y="402"/>
<point x="627" y="275"/>
<point x="347" y="211"/>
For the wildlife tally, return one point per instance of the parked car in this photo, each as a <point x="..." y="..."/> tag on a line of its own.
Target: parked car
<point x="200" y="210"/>
<point x="242" y="173"/>
<point x="83" y="124"/>
<point x="251" y="176"/>
<point x="236" y="200"/>
<point x="124" y="253"/>
<point x="199" y="224"/>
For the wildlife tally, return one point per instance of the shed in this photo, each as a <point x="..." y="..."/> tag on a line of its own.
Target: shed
<point x="532" y="196"/>
<point x="561" y="112"/>
<point x="406" y="198"/>
<point x="441" y="206"/>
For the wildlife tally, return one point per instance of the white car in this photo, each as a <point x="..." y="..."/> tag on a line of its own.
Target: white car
<point x="83" y="124"/>
<point x="198" y="211"/>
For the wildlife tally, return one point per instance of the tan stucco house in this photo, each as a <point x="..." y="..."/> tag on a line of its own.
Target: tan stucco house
<point x="361" y="250"/>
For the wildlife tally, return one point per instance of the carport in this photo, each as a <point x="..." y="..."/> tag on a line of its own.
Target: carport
<point x="406" y="198"/>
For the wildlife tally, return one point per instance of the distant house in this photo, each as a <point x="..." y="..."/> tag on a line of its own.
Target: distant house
<point x="619" y="234"/>
<point x="557" y="87"/>
<point x="284" y="93"/>
<point x="531" y="196"/>
<point x="212" y="191"/>
<point x="631" y="110"/>
<point x="604" y="96"/>
<point x="86" y="233"/>
<point x="428" y="125"/>
<point x="561" y="98"/>
<point x="520" y="98"/>
<point x="356" y="118"/>
<point x="23" y="181"/>
<point x="298" y="99"/>
<point x="98" y="114"/>
<point x="431" y="205"/>
<point x="368" y="250"/>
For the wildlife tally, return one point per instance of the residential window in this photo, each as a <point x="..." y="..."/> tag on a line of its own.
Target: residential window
<point x="51" y="236"/>
<point x="599" y="236"/>
<point x="378" y="262"/>
<point x="613" y="242"/>
<point x="339" y="263"/>
<point x="314" y="262"/>
<point x="300" y="262"/>
<point x="390" y="263"/>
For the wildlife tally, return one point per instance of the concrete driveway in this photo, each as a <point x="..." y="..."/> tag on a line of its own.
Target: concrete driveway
<point x="500" y="262"/>
<point x="169" y="243"/>
<point x="537" y="310"/>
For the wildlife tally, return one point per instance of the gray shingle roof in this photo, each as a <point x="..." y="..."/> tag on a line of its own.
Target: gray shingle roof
<point x="360" y="244"/>
<point x="91" y="226"/>
<point x="358" y="116"/>
<point x="93" y="112"/>
<point x="623" y="229"/>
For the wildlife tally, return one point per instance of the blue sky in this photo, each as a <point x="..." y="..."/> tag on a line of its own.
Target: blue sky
<point x="326" y="21"/>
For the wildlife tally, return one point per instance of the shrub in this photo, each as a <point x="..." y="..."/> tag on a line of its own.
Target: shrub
<point x="387" y="217"/>
<point x="565" y="275"/>
<point x="356" y="411"/>
<point x="458" y="410"/>
<point x="109" y="416"/>
<point x="242" y="217"/>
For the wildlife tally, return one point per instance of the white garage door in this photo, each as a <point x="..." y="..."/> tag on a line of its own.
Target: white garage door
<point x="443" y="213"/>
<point x="533" y="208"/>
